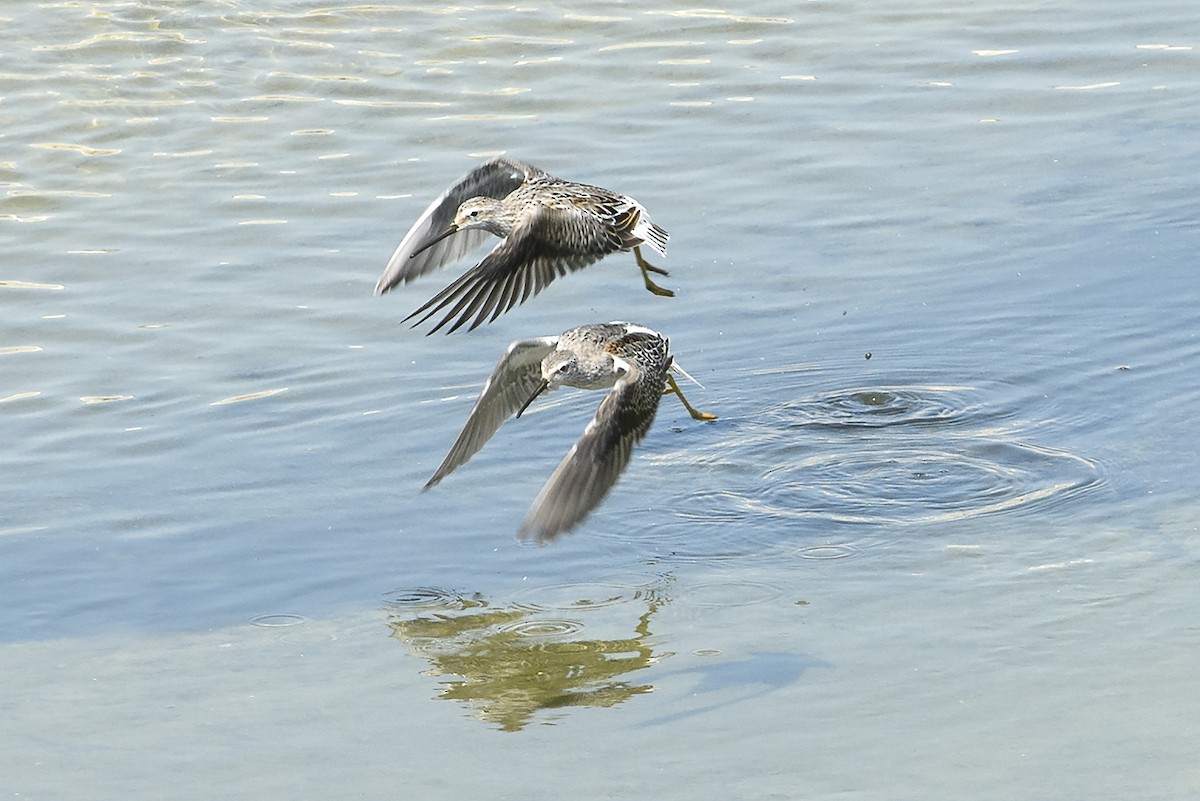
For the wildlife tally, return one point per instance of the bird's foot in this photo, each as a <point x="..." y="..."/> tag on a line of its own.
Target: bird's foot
<point x="673" y="389"/>
<point x="658" y="290"/>
<point x="647" y="268"/>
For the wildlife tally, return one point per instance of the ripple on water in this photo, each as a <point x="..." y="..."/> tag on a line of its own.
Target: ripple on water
<point x="579" y="596"/>
<point x="825" y="552"/>
<point x="893" y="455"/>
<point x="544" y="628"/>
<point x="278" y="620"/>
<point x="725" y="594"/>
<point x="923" y="481"/>
<point x="418" y="598"/>
<point x="877" y="407"/>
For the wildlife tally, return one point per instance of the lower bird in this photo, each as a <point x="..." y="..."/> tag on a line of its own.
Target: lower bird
<point x="548" y="226"/>
<point x="632" y="362"/>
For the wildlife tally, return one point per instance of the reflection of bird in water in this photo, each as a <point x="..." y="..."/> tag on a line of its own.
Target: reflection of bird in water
<point x="632" y="362"/>
<point x="510" y="662"/>
<point x="549" y="227"/>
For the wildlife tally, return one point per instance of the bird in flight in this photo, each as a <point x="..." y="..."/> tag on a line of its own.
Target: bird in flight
<point x="632" y="362"/>
<point x="548" y="227"/>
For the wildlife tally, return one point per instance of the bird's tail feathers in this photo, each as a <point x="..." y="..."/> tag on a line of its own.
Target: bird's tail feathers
<point x="652" y="235"/>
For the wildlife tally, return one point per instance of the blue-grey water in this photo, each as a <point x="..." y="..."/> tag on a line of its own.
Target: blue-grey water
<point x="935" y="268"/>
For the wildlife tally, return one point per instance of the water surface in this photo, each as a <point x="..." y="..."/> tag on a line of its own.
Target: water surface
<point x="934" y="267"/>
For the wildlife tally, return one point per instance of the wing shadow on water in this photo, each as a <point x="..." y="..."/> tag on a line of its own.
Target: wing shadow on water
<point x="765" y="673"/>
<point x="507" y="664"/>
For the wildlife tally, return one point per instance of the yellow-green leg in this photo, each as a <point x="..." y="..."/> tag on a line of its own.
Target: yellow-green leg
<point x="673" y="388"/>
<point x="648" y="268"/>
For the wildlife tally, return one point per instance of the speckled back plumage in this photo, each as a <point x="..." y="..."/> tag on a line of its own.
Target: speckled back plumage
<point x="602" y="344"/>
<point x="595" y="221"/>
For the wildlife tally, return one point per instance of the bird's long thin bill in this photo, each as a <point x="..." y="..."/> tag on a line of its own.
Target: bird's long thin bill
<point x="676" y="368"/>
<point x="453" y="229"/>
<point x="541" y="388"/>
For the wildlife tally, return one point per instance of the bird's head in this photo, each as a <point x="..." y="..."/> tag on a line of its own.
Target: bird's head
<point x="556" y="369"/>
<point x="477" y="212"/>
<point x="481" y="212"/>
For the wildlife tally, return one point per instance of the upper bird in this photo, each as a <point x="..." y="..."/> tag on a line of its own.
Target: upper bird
<point x="548" y="227"/>
<point x="632" y="362"/>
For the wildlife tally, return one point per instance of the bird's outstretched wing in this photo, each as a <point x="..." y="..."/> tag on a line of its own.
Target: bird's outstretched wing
<point x="516" y="376"/>
<point x="596" y="461"/>
<point x="496" y="178"/>
<point x="544" y="246"/>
